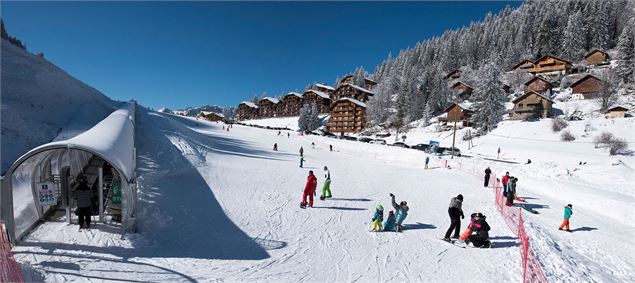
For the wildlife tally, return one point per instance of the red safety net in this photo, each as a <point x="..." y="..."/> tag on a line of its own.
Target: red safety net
<point x="532" y="270"/>
<point x="9" y="268"/>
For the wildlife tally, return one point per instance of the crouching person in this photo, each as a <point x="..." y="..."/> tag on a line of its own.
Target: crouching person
<point x="481" y="238"/>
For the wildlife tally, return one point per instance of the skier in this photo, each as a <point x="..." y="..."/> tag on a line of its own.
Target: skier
<point x="378" y="218"/>
<point x="313" y="145"/>
<point x="427" y="161"/>
<point x="275" y="147"/>
<point x="301" y="161"/>
<point x="83" y="195"/>
<point x="470" y="226"/>
<point x="331" y="147"/>
<point x="279" y="132"/>
<point x="389" y="224"/>
<point x="288" y="135"/>
<point x="504" y="181"/>
<point x="223" y="127"/>
<point x="481" y="238"/>
<point x="568" y="211"/>
<point x="511" y="190"/>
<point x="309" y="190"/>
<point x="487" y="173"/>
<point x="326" y="189"/>
<point x="498" y="153"/>
<point x="301" y="151"/>
<point x="401" y="214"/>
<point x="455" y="211"/>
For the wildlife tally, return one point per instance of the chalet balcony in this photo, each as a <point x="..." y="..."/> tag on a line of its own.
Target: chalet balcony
<point x="527" y="109"/>
<point x="542" y="69"/>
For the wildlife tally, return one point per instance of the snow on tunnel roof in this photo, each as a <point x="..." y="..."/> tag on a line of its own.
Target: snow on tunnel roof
<point x="112" y="139"/>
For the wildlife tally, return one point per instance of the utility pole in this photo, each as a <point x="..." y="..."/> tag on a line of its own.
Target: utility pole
<point x="453" y="139"/>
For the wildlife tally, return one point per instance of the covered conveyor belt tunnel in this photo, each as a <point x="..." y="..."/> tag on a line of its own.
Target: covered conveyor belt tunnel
<point x="41" y="183"/>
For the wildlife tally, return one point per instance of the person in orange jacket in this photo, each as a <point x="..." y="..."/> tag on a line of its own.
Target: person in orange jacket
<point x="309" y="190"/>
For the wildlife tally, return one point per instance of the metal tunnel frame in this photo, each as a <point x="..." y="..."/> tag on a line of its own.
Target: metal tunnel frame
<point x="112" y="139"/>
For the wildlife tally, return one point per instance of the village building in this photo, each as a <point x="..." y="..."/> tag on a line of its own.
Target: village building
<point x="616" y="111"/>
<point x="461" y="90"/>
<point x="506" y="88"/>
<point x="211" y="116"/>
<point x="290" y="104"/>
<point x="551" y="65"/>
<point x="370" y="84"/>
<point x="589" y="86"/>
<point x="350" y="79"/>
<point x="538" y="84"/>
<point x="247" y="111"/>
<point x="268" y="107"/>
<point x="321" y="99"/>
<point x="458" y="112"/>
<point x="352" y="91"/>
<point x="456" y="74"/>
<point x="324" y="88"/>
<point x="531" y="105"/>
<point x="348" y="115"/>
<point x="597" y="57"/>
<point x="523" y="66"/>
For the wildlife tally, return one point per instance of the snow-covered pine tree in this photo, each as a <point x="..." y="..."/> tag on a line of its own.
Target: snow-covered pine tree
<point x="626" y="54"/>
<point x="574" y="42"/>
<point x="309" y="120"/>
<point x="490" y="99"/>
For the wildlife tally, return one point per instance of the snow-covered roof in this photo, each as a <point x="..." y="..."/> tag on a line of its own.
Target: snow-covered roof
<point x="294" y="93"/>
<point x="249" y="104"/>
<point x="273" y="100"/>
<point x="358" y="88"/>
<point x="617" y="107"/>
<point x="357" y="102"/>
<point x="112" y="139"/>
<point x="461" y="83"/>
<point x="325" y="86"/>
<point x="319" y="93"/>
<point x="205" y="112"/>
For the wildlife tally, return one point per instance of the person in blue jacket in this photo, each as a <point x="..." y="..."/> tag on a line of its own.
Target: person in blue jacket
<point x="389" y="224"/>
<point x="400" y="214"/>
<point x="378" y="218"/>
<point x="568" y="211"/>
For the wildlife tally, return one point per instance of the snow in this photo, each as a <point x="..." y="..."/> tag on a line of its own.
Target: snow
<point x="221" y="206"/>
<point x="295" y="93"/>
<point x="281" y="122"/>
<point x="324" y="86"/>
<point x="249" y="104"/>
<point x="40" y="97"/>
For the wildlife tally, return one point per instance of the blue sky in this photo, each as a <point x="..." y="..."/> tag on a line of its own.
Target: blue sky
<point x="192" y="53"/>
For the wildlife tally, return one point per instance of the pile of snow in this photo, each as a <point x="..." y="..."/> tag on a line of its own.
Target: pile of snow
<point x="281" y="122"/>
<point x="42" y="103"/>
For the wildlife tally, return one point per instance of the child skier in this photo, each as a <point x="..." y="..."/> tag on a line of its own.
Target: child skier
<point x="427" y="161"/>
<point x="469" y="229"/>
<point x="326" y="189"/>
<point x="568" y="211"/>
<point x="389" y="224"/>
<point x="378" y="218"/>
<point x="301" y="162"/>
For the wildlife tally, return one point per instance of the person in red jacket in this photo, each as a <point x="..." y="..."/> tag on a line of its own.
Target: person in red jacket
<point x="309" y="190"/>
<point x="504" y="180"/>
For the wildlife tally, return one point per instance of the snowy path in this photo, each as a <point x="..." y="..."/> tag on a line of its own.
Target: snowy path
<point x="221" y="205"/>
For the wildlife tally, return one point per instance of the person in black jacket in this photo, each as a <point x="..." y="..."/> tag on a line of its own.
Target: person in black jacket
<point x="84" y="195"/>
<point x="487" y="173"/>
<point x="481" y="238"/>
<point x="455" y="211"/>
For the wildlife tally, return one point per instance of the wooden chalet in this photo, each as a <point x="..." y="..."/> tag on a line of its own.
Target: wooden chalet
<point x="458" y="112"/>
<point x="538" y="84"/>
<point x="268" y="107"/>
<point x="462" y="90"/>
<point x="506" y="88"/>
<point x="616" y="112"/>
<point x="369" y="84"/>
<point x="523" y="66"/>
<point x="211" y="116"/>
<point x="247" y="111"/>
<point x="550" y="64"/>
<point x="290" y="104"/>
<point x="325" y="88"/>
<point x="589" y="86"/>
<point x="597" y="57"/>
<point x="352" y="91"/>
<point x="531" y="105"/>
<point x="321" y="99"/>
<point x="453" y="75"/>
<point x="348" y="115"/>
<point x="349" y="79"/>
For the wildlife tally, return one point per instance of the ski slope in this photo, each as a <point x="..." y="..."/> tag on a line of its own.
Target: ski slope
<point x="222" y="206"/>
